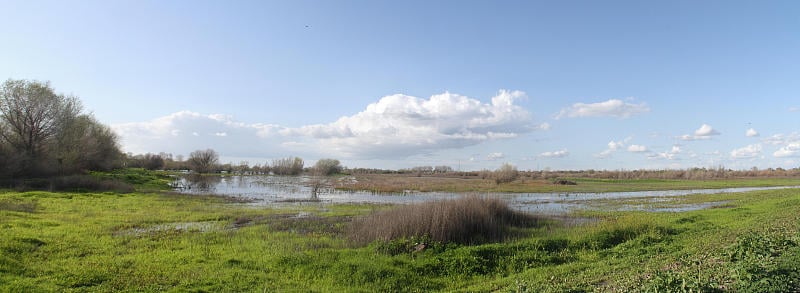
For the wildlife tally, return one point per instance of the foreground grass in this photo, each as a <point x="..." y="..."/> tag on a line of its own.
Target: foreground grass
<point x="401" y="183"/>
<point x="153" y="242"/>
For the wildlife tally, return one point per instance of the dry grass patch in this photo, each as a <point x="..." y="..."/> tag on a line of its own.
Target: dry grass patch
<point x="467" y="220"/>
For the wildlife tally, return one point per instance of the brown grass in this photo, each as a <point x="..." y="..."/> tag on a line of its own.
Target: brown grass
<point x="467" y="220"/>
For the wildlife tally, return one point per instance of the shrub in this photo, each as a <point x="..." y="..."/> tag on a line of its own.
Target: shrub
<point x="326" y="167"/>
<point x="506" y="173"/>
<point x="467" y="220"/>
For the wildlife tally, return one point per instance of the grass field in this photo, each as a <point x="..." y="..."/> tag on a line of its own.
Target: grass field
<point x="400" y="183"/>
<point x="79" y="242"/>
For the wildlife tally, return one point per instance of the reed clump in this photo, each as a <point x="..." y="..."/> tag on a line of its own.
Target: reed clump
<point x="468" y="220"/>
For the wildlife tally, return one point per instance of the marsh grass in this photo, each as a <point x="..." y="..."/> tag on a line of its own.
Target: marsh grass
<point x="468" y="220"/>
<point x="403" y="182"/>
<point x="80" y="242"/>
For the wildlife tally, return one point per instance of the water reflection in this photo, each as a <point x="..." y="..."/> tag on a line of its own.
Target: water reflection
<point x="271" y="190"/>
<point x="195" y="184"/>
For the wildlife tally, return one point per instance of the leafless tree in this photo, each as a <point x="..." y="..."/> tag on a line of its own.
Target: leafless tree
<point x="32" y="113"/>
<point x="506" y="173"/>
<point x="203" y="161"/>
<point x="43" y="133"/>
<point x="287" y="166"/>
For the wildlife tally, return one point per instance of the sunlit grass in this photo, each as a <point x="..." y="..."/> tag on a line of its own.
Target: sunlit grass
<point x="157" y="242"/>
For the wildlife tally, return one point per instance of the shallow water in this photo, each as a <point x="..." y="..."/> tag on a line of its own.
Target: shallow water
<point x="276" y="190"/>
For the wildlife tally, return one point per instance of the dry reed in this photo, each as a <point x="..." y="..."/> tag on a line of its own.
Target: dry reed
<point x="467" y="220"/>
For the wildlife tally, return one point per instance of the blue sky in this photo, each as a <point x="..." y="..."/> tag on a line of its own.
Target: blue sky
<point x="393" y="84"/>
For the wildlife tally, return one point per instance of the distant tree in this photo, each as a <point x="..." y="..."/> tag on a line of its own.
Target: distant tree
<point x="147" y="161"/>
<point x="443" y="169"/>
<point x="287" y="166"/>
<point x="506" y="173"/>
<point x="325" y="167"/>
<point x="203" y="161"/>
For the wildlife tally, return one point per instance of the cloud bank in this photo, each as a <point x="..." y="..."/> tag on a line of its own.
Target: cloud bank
<point x="555" y="154"/>
<point x="611" y="108"/>
<point x="395" y="126"/>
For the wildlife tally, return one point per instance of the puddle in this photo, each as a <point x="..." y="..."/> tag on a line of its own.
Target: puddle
<point x="171" y="227"/>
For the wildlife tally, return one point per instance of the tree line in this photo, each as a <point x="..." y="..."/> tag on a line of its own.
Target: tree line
<point x="207" y="161"/>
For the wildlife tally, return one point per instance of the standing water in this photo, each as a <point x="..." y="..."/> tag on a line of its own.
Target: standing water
<point x="272" y="190"/>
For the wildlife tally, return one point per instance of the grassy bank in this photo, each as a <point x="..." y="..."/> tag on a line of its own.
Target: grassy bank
<point x="154" y="242"/>
<point x="401" y="183"/>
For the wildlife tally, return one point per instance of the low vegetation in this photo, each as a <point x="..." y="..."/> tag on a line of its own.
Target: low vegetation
<point x="165" y="242"/>
<point x="400" y="183"/>
<point x="468" y="220"/>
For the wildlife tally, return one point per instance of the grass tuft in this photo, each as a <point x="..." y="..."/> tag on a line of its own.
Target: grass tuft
<point x="468" y="220"/>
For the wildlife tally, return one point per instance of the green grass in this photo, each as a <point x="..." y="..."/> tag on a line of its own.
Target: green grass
<point x="78" y="242"/>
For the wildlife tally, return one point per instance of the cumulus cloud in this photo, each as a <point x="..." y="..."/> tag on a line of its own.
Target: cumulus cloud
<point x="611" y="108"/>
<point x="186" y="131"/>
<point x="751" y="133"/>
<point x="635" y="148"/>
<point x="790" y="150"/>
<point x="668" y="155"/>
<point x="704" y="132"/>
<point x="555" y="154"/>
<point x="395" y="126"/>
<point x="750" y="151"/>
<point x="401" y="125"/>
<point x="782" y="139"/>
<point x="495" y="156"/>
<point x="613" y="146"/>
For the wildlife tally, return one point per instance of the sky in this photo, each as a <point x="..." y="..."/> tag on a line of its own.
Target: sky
<point x="560" y="85"/>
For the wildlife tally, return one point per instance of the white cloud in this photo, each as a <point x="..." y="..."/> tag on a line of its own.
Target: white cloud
<point x="395" y="126"/>
<point x="611" y="108"/>
<point x="750" y="151"/>
<point x="400" y="125"/>
<point x="555" y="154"/>
<point x="186" y="131"/>
<point x="751" y="133"/>
<point x="704" y="132"/>
<point x="790" y="150"/>
<point x="635" y="148"/>
<point x="670" y="155"/>
<point x="613" y="146"/>
<point x="794" y="109"/>
<point x="495" y="156"/>
<point x="782" y="139"/>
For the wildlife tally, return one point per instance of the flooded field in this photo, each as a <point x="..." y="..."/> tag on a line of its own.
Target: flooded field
<point x="276" y="190"/>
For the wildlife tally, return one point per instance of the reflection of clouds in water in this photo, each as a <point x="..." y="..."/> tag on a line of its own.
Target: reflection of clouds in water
<point x="271" y="190"/>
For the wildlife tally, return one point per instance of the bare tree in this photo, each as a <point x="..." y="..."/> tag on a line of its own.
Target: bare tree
<point x="287" y="166"/>
<point x="506" y="173"/>
<point x="203" y="161"/>
<point x="33" y="113"/>
<point x="42" y="132"/>
<point x="326" y="167"/>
